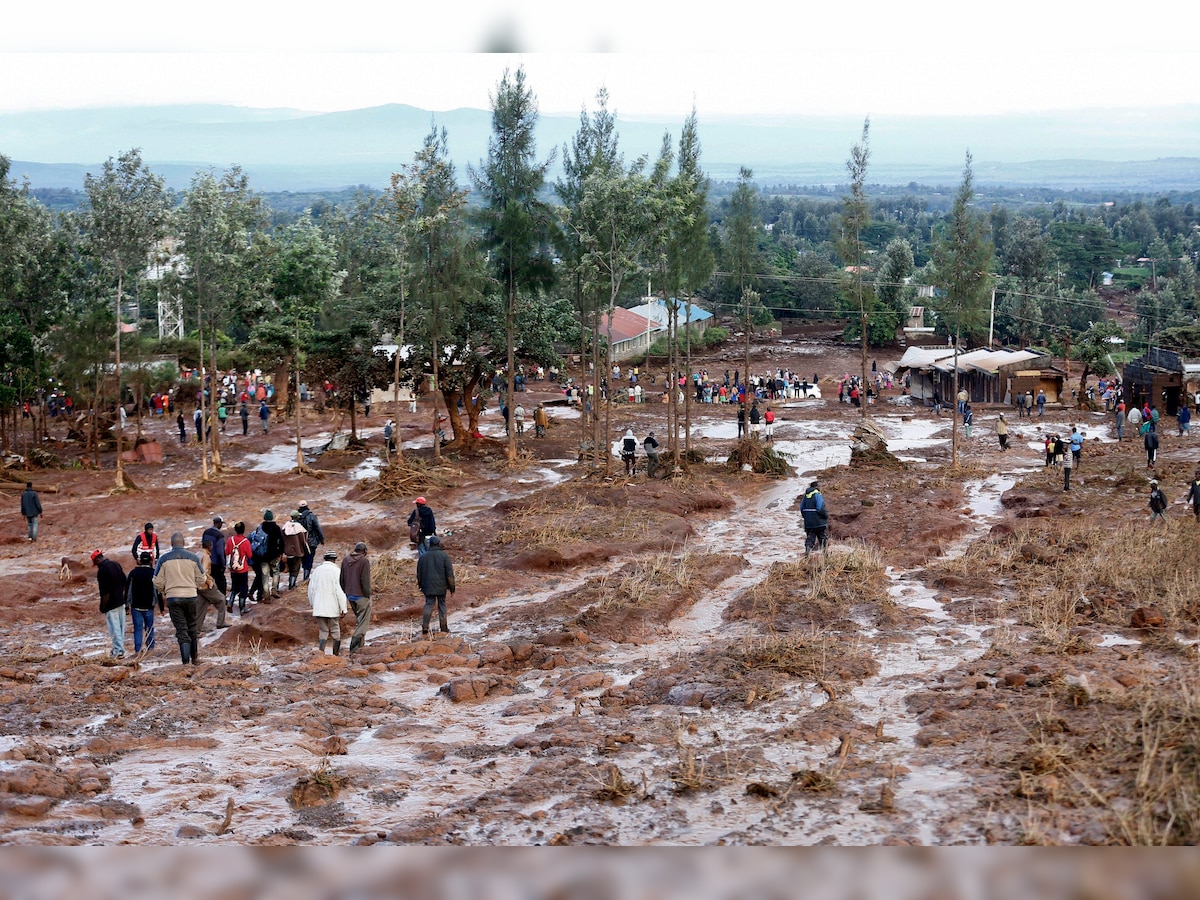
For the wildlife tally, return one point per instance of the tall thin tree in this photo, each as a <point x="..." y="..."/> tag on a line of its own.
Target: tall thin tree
<point x="517" y="223"/>
<point x="127" y="214"/>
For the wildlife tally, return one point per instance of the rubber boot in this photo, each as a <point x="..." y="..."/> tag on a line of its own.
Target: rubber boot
<point x="355" y="643"/>
<point x="337" y="646"/>
<point x="321" y="646"/>
<point x="291" y="584"/>
<point x="442" y="622"/>
<point x="185" y="653"/>
<point x="425" y="624"/>
<point x="195" y="652"/>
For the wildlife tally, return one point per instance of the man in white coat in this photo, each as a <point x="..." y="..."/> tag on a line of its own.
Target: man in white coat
<point x="328" y="602"/>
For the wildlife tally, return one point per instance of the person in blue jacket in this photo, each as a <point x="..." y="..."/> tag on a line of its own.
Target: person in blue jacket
<point x="816" y="519"/>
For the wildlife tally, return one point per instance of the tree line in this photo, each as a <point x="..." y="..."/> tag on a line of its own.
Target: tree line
<point x="477" y="271"/>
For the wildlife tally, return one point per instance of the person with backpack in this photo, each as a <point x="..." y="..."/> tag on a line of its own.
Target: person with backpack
<point x="315" y="537"/>
<point x="629" y="451"/>
<point x="238" y="552"/>
<point x="295" y="546"/>
<point x="421" y="522"/>
<point x="140" y="597"/>
<point x="216" y="538"/>
<point x="816" y="519"/>
<point x="146" y="542"/>
<point x="268" y="548"/>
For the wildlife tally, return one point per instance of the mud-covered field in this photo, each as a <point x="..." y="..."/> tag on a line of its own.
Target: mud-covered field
<point x="980" y="657"/>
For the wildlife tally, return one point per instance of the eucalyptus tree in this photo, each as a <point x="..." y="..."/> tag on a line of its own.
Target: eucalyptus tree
<point x="962" y="257"/>
<point x="856" y="217"/>
<point x="126" y="217"/>
<point x="691" y="251"/>
<point x="517" y="224"/>
<point x="1026" y="257"/>
<point x="743" y="260"/>
<point x="445" y="262"/>
<point x="616" y="221"/>
<point x="304" y="277"/>
<point x="399" y="211"/>
<point x="218" y="222"/>
<point x="593" y="148"/>
<point x="34" y="270"/>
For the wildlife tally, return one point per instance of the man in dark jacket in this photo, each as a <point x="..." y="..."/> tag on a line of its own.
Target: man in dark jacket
<point x="31" y="509"/>
<point x="1150" y="439"/>
<point x="271" y="559"/>
<point x="435" y="576"/>
<point x="146" y="541"/>
<point x="356" y="584"/>
<point x="216" y="553"/>
<point x="315" y="537"/>
<point x="140" y="597"/>
<point x="422" y="516"/>
<point x="110" y="579"/>
<point x="816" y="519"/>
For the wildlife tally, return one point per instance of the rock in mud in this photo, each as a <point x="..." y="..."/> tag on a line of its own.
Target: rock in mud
<point x="1146" y="617"/>
<point x="477" y="687"/>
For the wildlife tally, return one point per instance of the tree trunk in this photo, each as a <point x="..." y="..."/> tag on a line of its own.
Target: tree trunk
<point x="299" y="429"/>
<point x="954" y="418"/>
<point x="512" y="376"/>
<point x="687" y="398"/>
<point x="216" y="431"/>
<point x="437" y="384"/>
<point x="117" y="430"/>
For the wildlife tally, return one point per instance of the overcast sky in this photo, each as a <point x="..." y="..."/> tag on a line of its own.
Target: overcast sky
<point x="656" y="59"/>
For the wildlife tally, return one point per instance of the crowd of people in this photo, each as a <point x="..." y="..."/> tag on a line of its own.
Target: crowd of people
<point x="185" y="584"/>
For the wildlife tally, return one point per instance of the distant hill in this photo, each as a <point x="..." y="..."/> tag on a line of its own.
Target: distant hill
<point x="285" y="149"/>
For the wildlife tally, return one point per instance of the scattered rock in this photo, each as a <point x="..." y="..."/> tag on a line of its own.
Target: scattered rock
<point x="1146" y="617"/>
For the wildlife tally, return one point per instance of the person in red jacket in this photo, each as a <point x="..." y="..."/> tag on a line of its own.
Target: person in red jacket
<point x="238" y="552"/>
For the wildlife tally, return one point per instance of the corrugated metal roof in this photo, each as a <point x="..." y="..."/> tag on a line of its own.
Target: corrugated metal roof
<point x="626" y="324"/>
<point x="657" y="311"/>
<point x="923" y="357"/>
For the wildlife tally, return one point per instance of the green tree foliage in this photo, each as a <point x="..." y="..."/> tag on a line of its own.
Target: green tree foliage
<point x="1083" y="250"/>
<point x="1094" y="349"/>
<point x="127" y="215"/>
<point x="518" y="225"/>
<point x="962" y="258"/>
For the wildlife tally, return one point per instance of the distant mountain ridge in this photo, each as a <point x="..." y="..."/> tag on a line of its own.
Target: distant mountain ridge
<point x="287" y="149"/>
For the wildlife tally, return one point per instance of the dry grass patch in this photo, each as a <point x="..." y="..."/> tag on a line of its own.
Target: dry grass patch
<point x="410" y="475"/>
<point x="823" y="591"/>
<point x="817" y="655"/>
<point x="570" y="519"/>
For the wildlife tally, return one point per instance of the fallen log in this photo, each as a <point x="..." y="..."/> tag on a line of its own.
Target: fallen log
<point x="20" y="486"/>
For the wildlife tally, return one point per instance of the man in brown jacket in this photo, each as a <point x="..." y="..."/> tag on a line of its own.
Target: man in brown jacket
<point x="356" y="583"/>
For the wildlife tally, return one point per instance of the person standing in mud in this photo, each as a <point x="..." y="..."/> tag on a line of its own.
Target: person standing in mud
<point x="1067" y="465"/>
<point x="1076" y="440"/>
<point x="31" y="509"/>
<point x="422" y="517"/>
<point x="216" y="537"/>
<point x="1158" y="503"/>
<point x="140" y="597"/>
<point x="182" y="428"/>
<point x="328" y="602"/>
<point x="1150" y="441"/>
<point x="1193" y="495"/>
<point x="356" y="583"/>
<point x="295" y="546"/>
<point x="239" y="553"/>
<point x="650" y="445"/>
<point x="1002" y="432"/>
<point x="110" y="579"/>
<point x="629" y="451"/>
<point x="1120" y="421"/>
<point x="315" y="537"/>
<point x="435" y="576"/>
<point x="146" y="541"/>
<point x="741" y="420"/>
<point x="244" y="413"/>
<point x="816" y="519"/>
<point x="540" y="421"/>
<point x="179" y="578"/>
<point x="209" y="595"/>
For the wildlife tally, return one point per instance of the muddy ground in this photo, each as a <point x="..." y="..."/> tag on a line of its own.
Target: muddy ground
<point x="980" y="657"/>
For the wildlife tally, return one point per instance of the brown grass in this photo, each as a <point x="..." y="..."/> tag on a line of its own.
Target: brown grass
<point x="570" y="520"/>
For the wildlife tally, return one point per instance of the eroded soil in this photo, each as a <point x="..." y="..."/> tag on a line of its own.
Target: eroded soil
<point x="634" y="661"/>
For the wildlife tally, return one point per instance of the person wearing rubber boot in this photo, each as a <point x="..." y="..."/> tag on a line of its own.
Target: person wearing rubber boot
<point x="179" y="578"/>
<point x="356" y="582"/>
<point x="435" y="576"/>
<point x="328" y="602"/>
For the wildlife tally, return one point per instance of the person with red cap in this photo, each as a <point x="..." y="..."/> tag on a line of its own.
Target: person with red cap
<point x="422" y="518"/>
<point x="110" y="579"/>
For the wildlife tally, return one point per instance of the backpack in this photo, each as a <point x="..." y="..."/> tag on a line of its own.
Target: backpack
<point x="258" y="542"/>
